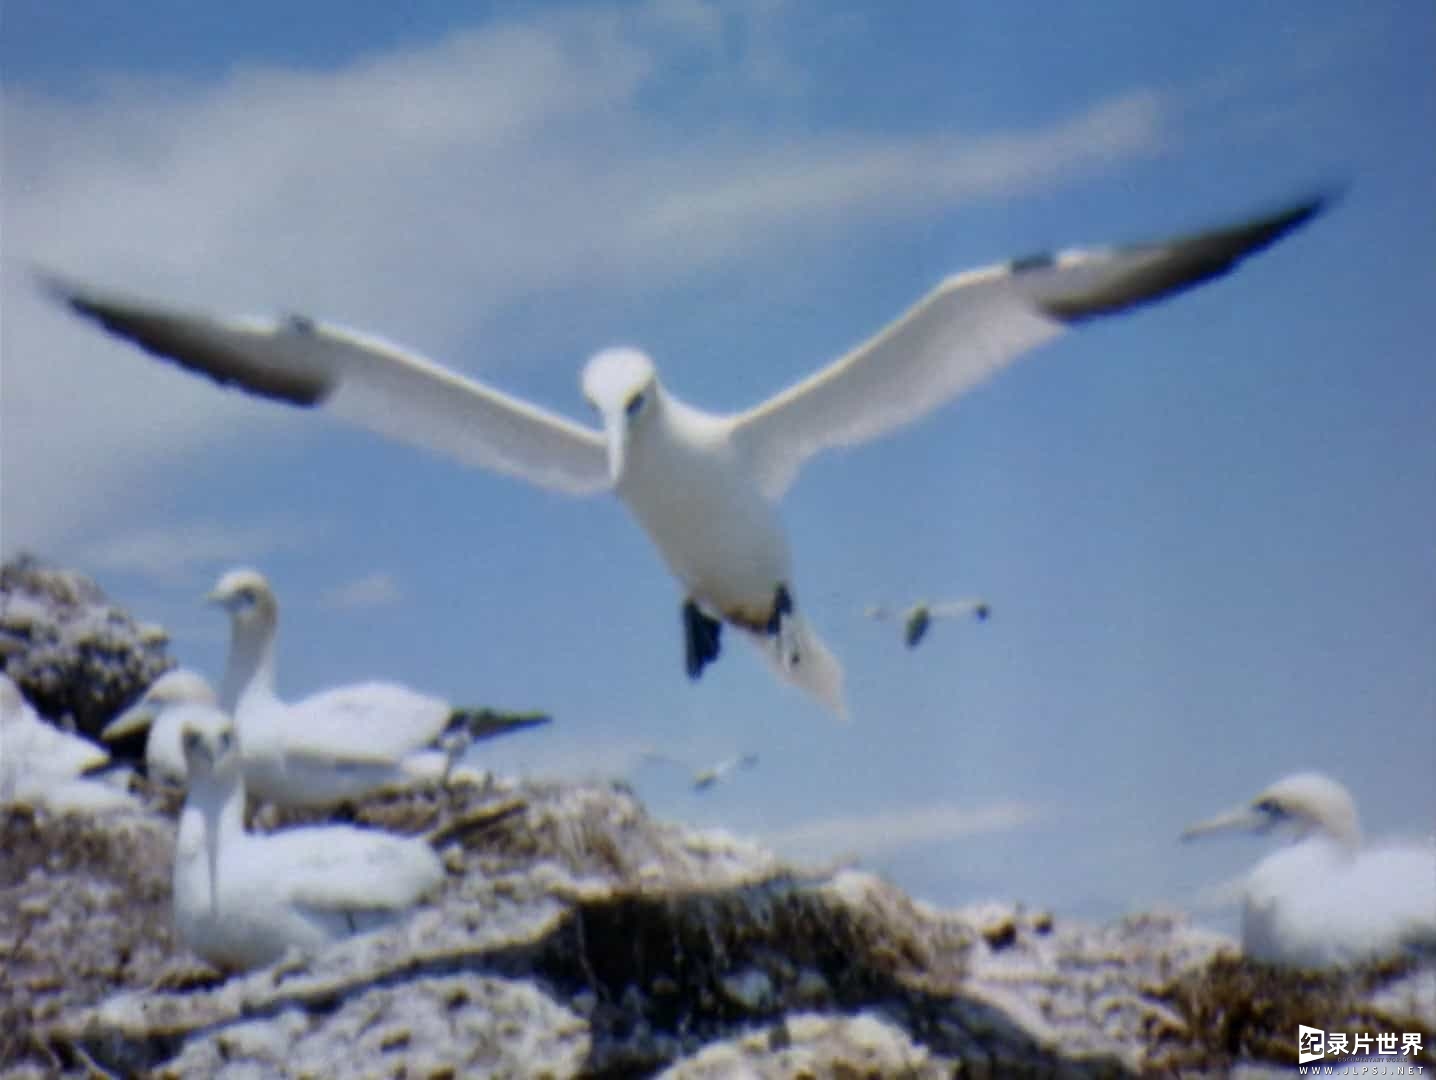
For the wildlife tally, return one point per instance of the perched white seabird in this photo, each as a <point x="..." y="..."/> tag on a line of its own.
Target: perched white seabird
<point x="1326" y="900"/>
<point x="341" y="743"/>
<point x="704" y="487"/>
<point x="25" y="736"/>
<point x="242" y="901"/>
<point x="917" y="619"/>
<point x="162" y="711"/>
<point x="42" y="765"/>
<point x="705" y="777"/>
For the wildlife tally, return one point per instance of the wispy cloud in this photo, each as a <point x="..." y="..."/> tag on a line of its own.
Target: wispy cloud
<point x="371" y="591"/>
<point x="887" y="831"/>
<point x="826" y="177"/>
<point x="420" y="193"/>
<point x="176" y="552"/>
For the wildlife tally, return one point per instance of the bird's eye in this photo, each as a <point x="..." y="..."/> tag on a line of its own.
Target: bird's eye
<point x="226" y="740"/>
<point x="1270" y="807"/>
<point x="191" y="740"/>
<point x="635" y="403"/>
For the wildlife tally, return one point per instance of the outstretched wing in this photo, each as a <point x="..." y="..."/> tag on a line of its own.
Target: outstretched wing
<point x="362" y="379"/>
<point x="956" y="609"/>
<point x="975" y="324"/>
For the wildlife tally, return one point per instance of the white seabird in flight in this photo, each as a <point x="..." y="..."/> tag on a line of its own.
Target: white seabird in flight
<point x="162" y="710"/>
<point x="917" y="620"/>
<point x="341" y="743"/>
<point x="242" y="901"/>
<point x="703" y="486"/>
<point x="704" y="777"/>
<point x="1327" y="900"/>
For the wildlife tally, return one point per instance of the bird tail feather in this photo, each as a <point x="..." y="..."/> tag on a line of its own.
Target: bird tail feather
<point x="798" y="656"/>
<point x="487" y="723"/>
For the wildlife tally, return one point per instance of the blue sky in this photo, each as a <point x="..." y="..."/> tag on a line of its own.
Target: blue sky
<point x="1206" y="530"/>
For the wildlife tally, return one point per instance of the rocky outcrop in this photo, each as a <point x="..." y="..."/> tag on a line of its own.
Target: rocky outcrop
<point x="78" y="658"/>
<point x="577" y="936"/>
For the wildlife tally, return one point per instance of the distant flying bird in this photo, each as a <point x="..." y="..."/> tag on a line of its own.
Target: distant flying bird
<point x="1326" y="899"/>
<point x="917" y="619"/>
<point x="162" y="711"/>
<point x="341" y="743"/>
<point x="705" y="777"/>
<point x="705" y="487"/>
<point x="243" y="901"/>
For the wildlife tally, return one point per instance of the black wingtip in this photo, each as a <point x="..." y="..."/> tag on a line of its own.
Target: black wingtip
<point x="1164" y="269"/>
<point x="1267" y="230"/>
<point x="486" y="723"/>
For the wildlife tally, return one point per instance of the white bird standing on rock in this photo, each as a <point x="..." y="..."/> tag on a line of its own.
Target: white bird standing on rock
<point x="704" y="487"/>
<point x="162" y="711"/>
<point x="341" y="743"/>
<point x="42" y="765"/>
<point x="1325" y="900"/>
<point x="28" y="741"/>
<point x="917" y="620"/>
<point x="243" y="901"/>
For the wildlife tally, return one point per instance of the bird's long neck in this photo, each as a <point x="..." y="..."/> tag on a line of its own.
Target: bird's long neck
<point x="250" y="669"/>
<point x="1345" y="836"/>
<point x="673" y="452"/>
<point x="213" y="817"/>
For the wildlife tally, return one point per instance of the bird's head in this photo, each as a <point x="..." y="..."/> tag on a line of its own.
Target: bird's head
<point x="1301" y="805"/>
<point x="246" y="595"/>
<point x="622" y="387"/>
<point x="178" y="687"/>
<point x="210" y="748"/>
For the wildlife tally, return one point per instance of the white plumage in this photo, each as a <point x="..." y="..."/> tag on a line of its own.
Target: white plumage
<point x="1326" y="899"/>
<point x="28" y="741"/>
<point x="162" y="711"/>
<point x="703" y="777"/>
<point x="340" y="743"/>
<point x="704" y="487"/>
<point x="242" y="901"/>
<point x="917" y="619"/>
<point x="43" y="766"/>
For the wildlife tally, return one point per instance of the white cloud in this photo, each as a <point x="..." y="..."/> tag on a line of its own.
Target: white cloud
<point x="419" y="192"/>
<point x="828" y="177"/>
<point x="170" y="553"/>
<point x="371" y="591"/>
<point x="887" y="831"/>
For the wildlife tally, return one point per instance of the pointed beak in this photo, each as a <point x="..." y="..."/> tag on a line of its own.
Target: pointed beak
<point x="616" y="428"/>
<point x="137" y="718"/>
<point x="1242" y="819"/>
<point x="214" y="596"/>
<point x="211" y="837"/>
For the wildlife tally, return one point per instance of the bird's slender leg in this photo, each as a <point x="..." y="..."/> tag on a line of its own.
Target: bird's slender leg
<point x="701" y="639"/>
